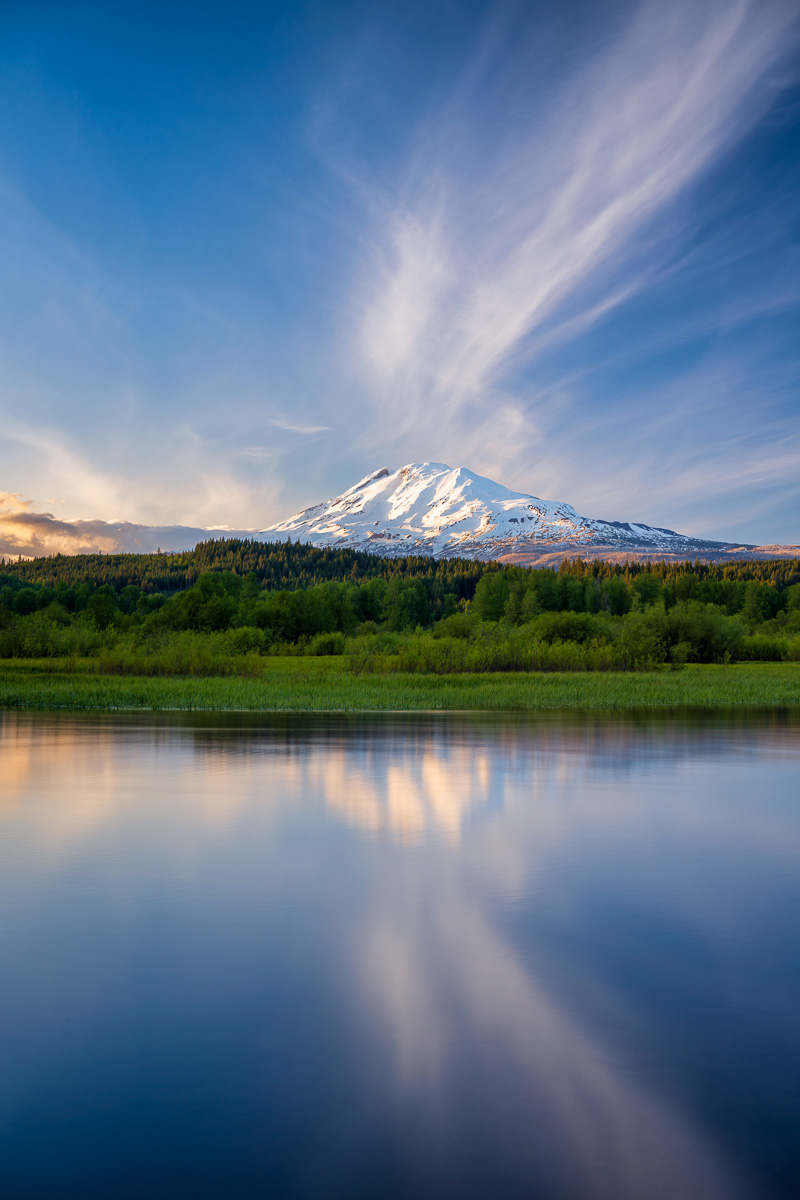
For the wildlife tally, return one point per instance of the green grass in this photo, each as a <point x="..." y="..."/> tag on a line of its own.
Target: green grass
<point x="324" y="684"/>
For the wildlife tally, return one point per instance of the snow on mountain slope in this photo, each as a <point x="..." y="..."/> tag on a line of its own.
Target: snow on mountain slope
<point x="430" y="508"/>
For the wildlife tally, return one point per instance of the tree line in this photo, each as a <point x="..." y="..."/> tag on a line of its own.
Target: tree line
<point x="277" y="565"/>
<point x="403" y="614"/>
<point x="296" y="565"/>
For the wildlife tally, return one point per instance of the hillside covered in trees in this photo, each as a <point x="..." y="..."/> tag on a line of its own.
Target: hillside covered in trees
<point x="241" y="597"/>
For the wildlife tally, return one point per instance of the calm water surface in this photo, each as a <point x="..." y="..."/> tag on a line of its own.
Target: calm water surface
<point x="400" y="956"/>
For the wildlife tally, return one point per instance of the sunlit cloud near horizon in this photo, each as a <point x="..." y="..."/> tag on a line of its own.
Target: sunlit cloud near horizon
<point x="251" y="256"/>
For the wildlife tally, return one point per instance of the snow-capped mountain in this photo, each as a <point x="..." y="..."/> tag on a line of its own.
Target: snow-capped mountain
<point x="430" y="508"/>
<point x="424" y="508"/>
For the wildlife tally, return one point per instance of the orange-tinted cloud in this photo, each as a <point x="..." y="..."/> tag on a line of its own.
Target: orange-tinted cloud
<point x="32" y="534"/>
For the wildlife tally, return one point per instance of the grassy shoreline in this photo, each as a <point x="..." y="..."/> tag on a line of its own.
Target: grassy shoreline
<point x="320" y="684"/>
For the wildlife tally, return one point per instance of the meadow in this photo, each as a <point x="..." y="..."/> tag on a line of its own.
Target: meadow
<point x="328" y="684"/>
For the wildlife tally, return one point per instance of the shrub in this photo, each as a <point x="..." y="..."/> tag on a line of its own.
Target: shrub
<point x="762" y="649"/>
<point x="366" y="653"/>
<point x="710" y="632"/>
<point x="572" y="627"/>
<point x="459" y="625"/>
<point x="326" y="643"/>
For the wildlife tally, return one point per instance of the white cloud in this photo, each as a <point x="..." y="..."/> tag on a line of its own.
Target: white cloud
<point x="93" y="488"/>
<point x="296" y="426"/>
<point x="471" y="273"/>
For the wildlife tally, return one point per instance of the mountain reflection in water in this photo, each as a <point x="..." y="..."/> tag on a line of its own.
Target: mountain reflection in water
<point x="411" y="955"/>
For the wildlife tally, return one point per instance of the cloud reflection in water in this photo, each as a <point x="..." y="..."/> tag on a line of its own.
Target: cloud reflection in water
<point x="477" y="854"/>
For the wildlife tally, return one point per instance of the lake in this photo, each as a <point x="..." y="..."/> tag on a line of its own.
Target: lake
<point x="402" y="955"/>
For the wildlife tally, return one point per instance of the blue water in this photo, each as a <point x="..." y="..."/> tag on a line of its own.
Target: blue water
<point x="400" y="956"/>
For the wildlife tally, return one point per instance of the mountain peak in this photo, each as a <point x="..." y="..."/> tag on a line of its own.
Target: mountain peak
<point x="381" y="473"/>
<point x="432" y="508"/>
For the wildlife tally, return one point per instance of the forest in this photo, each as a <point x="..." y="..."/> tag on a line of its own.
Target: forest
<point x="225" y="605"/>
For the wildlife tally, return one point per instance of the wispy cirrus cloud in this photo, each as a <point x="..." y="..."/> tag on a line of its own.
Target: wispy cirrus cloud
<point x="135" y="496"/>
<point x="476" y="269"/>
<point x="296" y="426"/>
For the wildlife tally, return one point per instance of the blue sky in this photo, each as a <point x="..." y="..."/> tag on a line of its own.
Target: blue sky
<point x="252" y="252"/>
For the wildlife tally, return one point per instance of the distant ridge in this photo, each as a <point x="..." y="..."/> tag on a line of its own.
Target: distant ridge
<point x="431" y="508"/>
